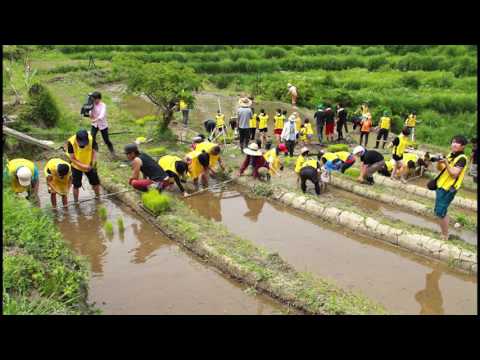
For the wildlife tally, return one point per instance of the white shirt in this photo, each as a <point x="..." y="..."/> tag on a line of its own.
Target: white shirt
<point x="99" y="112"/>
<point x="289" y="131"/>
<point x="292" y="90"/>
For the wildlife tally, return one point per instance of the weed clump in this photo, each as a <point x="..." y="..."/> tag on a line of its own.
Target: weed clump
<point x="338" y="147"/>
<point x="352" y="172"/>
<point x="121" y="225"/>
<point x="262" y="190"/>
<point x="156" y="202"/>
<point x="41" y="108"/>
<point x="108" y="227"/>
<point x="103" y="213"/>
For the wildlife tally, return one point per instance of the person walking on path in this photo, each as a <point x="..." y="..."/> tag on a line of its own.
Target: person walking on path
<point x="183" y="107"/>
<point x="279" y="120"/>
<point x="384" y="128"/>
<point x="292" y="91"/>
<point x="319" y="117"/>
<point x="329" y="123"/>
<point x="452" y="172"/>
<point x="411" y="123"/>
<point x="365" y="127"/>
<point x="98" y="117"/>
<point x="341" y="121"/>
<point x="289" y="134"/>
<point x="372" y="161"/>
<point x="244" y="115"/>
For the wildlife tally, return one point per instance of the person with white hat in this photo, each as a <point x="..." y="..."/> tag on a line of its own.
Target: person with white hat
<point x="292" y="91"/>
<point x="372" y="161"/>
<point x="23" y="175"/>
<point x="289" y="134"/>
<point x="244" y="114"/>
<point x="255" y="159"/>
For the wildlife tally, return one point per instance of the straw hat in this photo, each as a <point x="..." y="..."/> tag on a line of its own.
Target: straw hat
<point x="252" y="150"/>
<point x="303" y="150"/>
<point x="245" y="102"/>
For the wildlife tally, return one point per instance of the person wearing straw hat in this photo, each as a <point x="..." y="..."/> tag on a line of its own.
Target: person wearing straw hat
<point x="292" y="91"/>
<point x="255" y="159"/>
<point x="23" y="176"/>
<point x="244" y="114"/>
<point x="59" y="180"/>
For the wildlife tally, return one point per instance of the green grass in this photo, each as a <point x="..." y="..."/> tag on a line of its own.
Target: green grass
<point x="41" y="275"/>
<point x="156" y="202"/>
<point x="158" y="151"/>
<point x="352" y="172"/>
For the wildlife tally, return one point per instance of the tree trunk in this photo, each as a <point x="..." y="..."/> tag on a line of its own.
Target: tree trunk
<point x="167" y="118"/>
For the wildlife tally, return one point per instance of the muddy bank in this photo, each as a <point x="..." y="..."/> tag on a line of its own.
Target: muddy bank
<point x="140" y="271"/>
<point x="421" y="244"/>
<point x="402" y="281"/>
<point x="252" y="265"/>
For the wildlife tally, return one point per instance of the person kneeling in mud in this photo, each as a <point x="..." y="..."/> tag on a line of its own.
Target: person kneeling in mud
<point x="59" y="180"/>
<point x="213" y="150"/>
<point x="310" y="170"/>
<point x="255" y="160"/>
<point x="153" y="174"/>
<point x="273" y="158"/>
<point x="372" y="161"/>
<point x="175" y="168"/>
<point x="198" y="164"/>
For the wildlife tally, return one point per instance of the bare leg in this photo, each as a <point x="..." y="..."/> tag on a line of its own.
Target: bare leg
<point x="53" y="199"/>
<point x="444" y="227"/>
<point x="64" y="200"/>
<point x="75" y="194"/>
<point x="96" y="188"/>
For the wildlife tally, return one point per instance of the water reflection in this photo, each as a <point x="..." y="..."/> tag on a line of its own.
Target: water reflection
<point x="255" y="207"/>
<point x="148" y="244"/>
<point x="430" y="298"/>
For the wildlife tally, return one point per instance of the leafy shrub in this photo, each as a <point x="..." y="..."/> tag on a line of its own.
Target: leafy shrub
<point x="142" y="121"/>
<point x="375" y="62"/>
<point x="156" y="202"/>
<point x="274" y="52"/>
<point x="41" y="108"/>
<point x="411" y="81"/>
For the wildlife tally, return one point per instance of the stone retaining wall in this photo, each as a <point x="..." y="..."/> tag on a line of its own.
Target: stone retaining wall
<point x="420" y="244"/>
<point x="424" y="192"/>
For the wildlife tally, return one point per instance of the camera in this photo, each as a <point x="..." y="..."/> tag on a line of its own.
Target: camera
<point x="88" y="106"/>
<point x="437" y="158"/>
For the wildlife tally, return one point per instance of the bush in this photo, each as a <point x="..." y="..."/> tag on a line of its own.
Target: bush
<point x="411" y="81"/>
<point x="41" y="108"/>
<point x="375" y="62"/>
<point x="155" y="202"/>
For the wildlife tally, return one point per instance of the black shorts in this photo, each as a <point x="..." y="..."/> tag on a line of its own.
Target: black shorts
<point x="263" y="130"/>
<point x="92" y="177"/>
<point x="396" y="157"/>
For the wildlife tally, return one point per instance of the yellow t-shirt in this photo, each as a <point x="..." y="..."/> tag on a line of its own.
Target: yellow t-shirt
<point x="253" y="122"/>
<point x="273" y="159"/>
<point x="12" y="167"/>
<point x="411" y="121"/>
<point x="183" y="105"/>
<point x="195" y="169"/>
<point x="208" y="147"/>
<point x="342" y="155"/>
<point x="298" y="123"/>
<point x="85" y="155"/>
<point x="220" y="120"/>
<point x="279" y="119"/>
<point x="445" y="181"/>
<point x="263" y="124"/>
<point x="59" y="185"/>
<point x="309" y="129"/>
<point x="303" y="134"/>
<point x="385" y="122"/>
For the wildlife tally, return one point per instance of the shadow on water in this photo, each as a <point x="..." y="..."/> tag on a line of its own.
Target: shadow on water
<point x="400" y="280"/>
<point x="139" y="271"/>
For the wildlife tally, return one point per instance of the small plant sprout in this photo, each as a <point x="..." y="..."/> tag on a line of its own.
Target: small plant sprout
<point x="121" y="225"/>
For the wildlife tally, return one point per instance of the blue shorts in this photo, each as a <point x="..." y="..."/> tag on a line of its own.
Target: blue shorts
<point x="442" y="202"/>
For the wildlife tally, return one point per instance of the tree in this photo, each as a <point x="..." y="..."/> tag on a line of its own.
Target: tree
<point x="164" y="84"/>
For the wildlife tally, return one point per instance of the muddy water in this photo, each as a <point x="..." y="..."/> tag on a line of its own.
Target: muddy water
<point x="140" y="271"/>
<point x="398" y="214"/>
<point x="137" y="106"/>
<point x="403" y="282"/>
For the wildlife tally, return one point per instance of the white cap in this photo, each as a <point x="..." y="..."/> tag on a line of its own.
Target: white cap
<point x="358" y="149"/>
<point x="303" y="150"/>
<point x="24" y="175"/>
